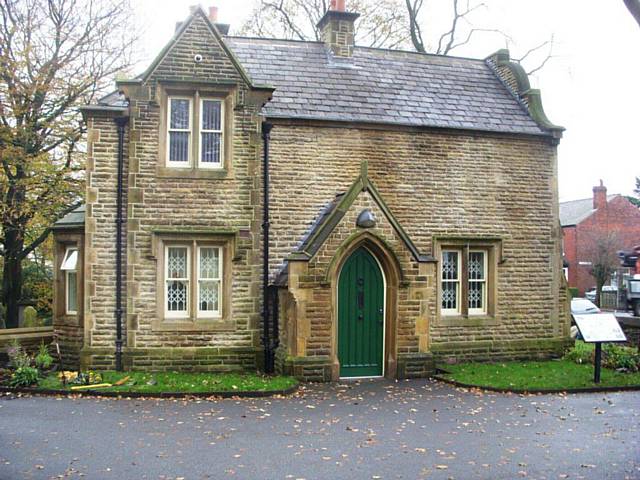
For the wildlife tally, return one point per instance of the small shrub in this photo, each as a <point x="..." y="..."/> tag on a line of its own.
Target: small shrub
<point x="619" y="357"/>
<point x="573" y="291"/>
<point x="18" y="357"/>
<point x="581" y="353"/>
<point x="43" y="359"/>
<point x="24" y="376"/>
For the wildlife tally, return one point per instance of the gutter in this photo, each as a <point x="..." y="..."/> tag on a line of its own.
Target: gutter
<point x="121" y="122"/>
<point x="267" y="341"/>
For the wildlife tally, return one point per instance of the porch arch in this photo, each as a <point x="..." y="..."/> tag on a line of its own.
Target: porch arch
<point x="392" y="271"/>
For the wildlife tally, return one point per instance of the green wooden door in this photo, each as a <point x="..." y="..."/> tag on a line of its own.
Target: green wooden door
<point x="360" y="316"/>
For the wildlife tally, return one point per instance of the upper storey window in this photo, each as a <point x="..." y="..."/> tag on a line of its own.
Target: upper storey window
<point x="195" y="132"/>
<point x="179" y="131"/>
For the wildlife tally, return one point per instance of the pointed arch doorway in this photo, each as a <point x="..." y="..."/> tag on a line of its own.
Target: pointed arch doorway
<point x="361" y="316"/>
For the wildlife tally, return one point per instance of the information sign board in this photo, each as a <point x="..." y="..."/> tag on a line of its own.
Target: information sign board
<point x="600" y="327"/>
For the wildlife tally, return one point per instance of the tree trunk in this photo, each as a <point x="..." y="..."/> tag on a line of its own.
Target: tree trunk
<point x="12" y="276"/>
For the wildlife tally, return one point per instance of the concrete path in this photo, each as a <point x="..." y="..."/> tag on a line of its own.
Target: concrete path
<point x="367" y="430"/>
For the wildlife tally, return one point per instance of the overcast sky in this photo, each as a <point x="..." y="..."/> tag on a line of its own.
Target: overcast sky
<point x="591" y="86"/>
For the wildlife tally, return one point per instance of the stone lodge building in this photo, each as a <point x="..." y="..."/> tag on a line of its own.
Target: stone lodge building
<point x="397" y="204"/>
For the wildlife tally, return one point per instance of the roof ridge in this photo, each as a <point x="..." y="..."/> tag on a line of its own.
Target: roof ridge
<point x="358" y="47"/>
<point x="589" y="198"/>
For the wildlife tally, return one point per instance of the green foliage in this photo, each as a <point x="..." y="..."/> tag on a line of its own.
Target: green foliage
<point x="43" y="359"/>
<point x="581" y="353"/>
<point x="18" y="357"/>
<point x="38" y="286"/>
<point x="574" y="292"/>
<point x="619" y="357"/>
<point x="24" y="376"/>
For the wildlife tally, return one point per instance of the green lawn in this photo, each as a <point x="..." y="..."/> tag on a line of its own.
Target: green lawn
<point x="146" y="382"/>
<point x="551" y="374"/>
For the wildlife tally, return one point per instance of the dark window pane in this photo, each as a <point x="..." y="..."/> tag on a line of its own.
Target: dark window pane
<point x="178" y="146"/>
<point x="179" y="113"/>
<point x="211" y="111"/>
<point x="210" y="145"/>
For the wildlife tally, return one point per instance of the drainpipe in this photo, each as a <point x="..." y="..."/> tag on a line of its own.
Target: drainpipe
<point x="121" y="122"/>
<point x="266" y="339"/>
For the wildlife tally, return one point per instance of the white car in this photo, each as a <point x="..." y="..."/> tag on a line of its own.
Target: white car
<point x="591" y="294"/>
<point x="583" y="306"/>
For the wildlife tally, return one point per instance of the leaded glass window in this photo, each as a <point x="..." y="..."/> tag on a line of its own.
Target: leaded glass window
<point x="177" y="281"/>
<point x="179" y="131"/>
<point x="209" y="276"/>
<point x="477" y="268"/>
<point x="450" y="281"/>
<point x="211" y="112"/>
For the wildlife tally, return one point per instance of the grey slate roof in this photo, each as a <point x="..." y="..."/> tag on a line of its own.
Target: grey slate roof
<point x="73" y="219"/>
<point x="575" y="211"/>
<point x="318" y="222"/>
<point x="381" y="86"/>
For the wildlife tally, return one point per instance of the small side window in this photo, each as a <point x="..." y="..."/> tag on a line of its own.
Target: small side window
<point x="69" y="267"/>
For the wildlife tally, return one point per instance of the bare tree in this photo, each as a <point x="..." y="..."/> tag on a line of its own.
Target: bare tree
<point x="54" y="55"/>
<point x="604" y="260"/>
<point x="634" y="9"/>
<point x="462" y="29"/>
<point x="381" y="23"/>
<point x="384" y="24"/>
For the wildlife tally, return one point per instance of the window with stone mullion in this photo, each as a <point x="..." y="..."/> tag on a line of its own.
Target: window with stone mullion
<point x="179" y="130"/>
<point x="211" y="124"/>
<point x="209" y="281"/>
<point x="177" y="281"/>
<point x="477" y="277"/>
<point x="450" y="277"/>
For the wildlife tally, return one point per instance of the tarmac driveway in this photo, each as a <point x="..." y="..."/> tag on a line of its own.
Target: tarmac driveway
<point x="366" y="430"/>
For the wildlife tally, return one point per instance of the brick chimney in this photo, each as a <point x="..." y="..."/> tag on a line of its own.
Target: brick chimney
<point x="599" y="196"/>
<point x="337" y="29"/>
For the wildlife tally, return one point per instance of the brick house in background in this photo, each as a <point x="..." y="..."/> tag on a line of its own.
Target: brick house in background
<point x="399" y="194"/>
<point x="586" y="221"/>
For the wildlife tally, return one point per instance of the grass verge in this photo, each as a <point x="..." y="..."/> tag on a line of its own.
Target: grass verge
<point x="543" y="375"/>
<point x="172" y="382"/>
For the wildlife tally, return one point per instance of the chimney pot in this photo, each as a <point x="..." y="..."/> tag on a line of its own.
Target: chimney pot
<point x="337" y="5"/>
<point x="213" y="14"/>
<point x="599" y="196"/>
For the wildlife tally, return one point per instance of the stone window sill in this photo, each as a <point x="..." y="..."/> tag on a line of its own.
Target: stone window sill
<point x="173" y="325"/>
<point x="466" y="321"/>
<point x="196" y="173"/>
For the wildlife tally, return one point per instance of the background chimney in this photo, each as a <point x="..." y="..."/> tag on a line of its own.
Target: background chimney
<point x="337" y="29"/>
<point x="213" y="14"/>
<point x="599" y="196"/>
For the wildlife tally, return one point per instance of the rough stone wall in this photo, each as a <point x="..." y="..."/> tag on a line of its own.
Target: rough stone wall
<point x="183" y="204"/>
<point x="178" y="63"/>
<point x="437" y="184"/>
<point x="100" y="233"/>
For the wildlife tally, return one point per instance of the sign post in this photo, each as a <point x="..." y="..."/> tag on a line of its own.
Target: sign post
<point x="599" y="328"/>
<point x="598" y="363"/>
